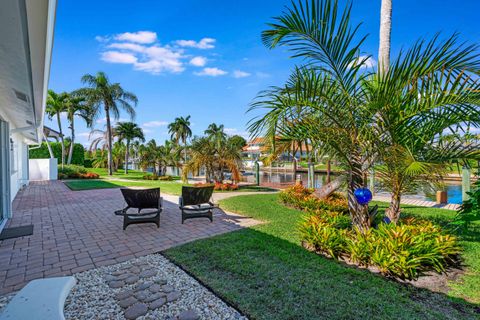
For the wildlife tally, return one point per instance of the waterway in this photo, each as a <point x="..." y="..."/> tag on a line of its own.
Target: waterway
<point x="454" y="189"/>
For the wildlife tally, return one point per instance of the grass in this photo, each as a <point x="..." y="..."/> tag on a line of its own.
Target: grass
<point x="169" y="187"/>
<point x="265" y="272"/>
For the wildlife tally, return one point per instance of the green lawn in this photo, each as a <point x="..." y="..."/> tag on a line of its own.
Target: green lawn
<point x="169" y="187"/>
<point x="266" y="273"/>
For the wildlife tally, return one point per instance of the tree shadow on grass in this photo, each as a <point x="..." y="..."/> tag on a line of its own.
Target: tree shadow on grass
<point x="267" y="277"/>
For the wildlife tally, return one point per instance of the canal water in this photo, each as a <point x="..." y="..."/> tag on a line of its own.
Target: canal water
<point x="454" y="189"/>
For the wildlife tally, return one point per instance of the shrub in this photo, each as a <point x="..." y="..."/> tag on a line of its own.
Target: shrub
<point x="219" y="186"/>
<point x="88" y="163"/>
<point x="75" y="172"/>
<point x="404" y="250"/>
<point x="154" y="177"/>
<point x="470" y="209"/>
<point x="78" y="154"/>
<point x="303" y="198"/>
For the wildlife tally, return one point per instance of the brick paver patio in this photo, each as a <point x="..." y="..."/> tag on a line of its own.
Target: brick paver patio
<point x="76" y="230"/>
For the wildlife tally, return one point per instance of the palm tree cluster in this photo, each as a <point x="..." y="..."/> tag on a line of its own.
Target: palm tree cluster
<point x="216" y="153"/>
<point x="100" y="95"/>
<point x="395" y="119"/>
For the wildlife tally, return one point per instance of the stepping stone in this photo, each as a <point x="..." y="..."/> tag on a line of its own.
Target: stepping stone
<point x="110" y="277"/>
<point x="116" y="284"/>
<point x="167" y="288"/>
<point x="161" y="281"/>
<point x="153" y="297"/>
<point x="124" y="294"/>
<point x="157" y="303"/>
<point x="135" y="311"/>
<point x="172" y="296"/>
<point x="188" y="315"/>
<point x="142" y="295"/>
<point x="148" y="273"/>
<point x="143" y="286"/>
<point x="118" y="272"/>
<point x="135" y="269"/>
<point x="155" y="288"/>
<point x="124" y="276"/>
<point x="132" y="279"/>
<point x="125" y="303"/>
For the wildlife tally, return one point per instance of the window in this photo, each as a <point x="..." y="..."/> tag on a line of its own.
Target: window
<point x="13" y="157"/>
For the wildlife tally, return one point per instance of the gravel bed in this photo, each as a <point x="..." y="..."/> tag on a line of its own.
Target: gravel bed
<point x="93" y="298"/>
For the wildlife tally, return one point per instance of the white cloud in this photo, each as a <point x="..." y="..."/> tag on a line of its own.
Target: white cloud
<point x="198" y="61"/>
<point x="240" y="74"/>
<point x="101" y="39"/>
<point x="127" y="46"/>
<point x="145" y="130"/>
<point x="152" y="124"/>
<point x="144" y="37"/>
<point x="212" y="72"/>
<point x="118" y="57"/>
<point x="235" y="131"/>
<point x="205" y="43"/>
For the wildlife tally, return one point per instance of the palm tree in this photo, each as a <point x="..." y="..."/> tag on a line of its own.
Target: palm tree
<point x="56" y="104"/>
<point x="128" y="131"/>
<point x="216" y="134"/>
<point x="385" y="32"/>
<point x="180" y="130"/>
<point x="77" y="107"/>
<point x="358" y="116"/>
<point x="101" y="92"/>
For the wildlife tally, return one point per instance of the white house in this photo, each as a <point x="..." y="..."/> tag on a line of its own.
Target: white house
<point x="26" y="39"/>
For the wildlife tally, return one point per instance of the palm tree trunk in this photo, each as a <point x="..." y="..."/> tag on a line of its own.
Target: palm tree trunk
<point x="70" y="152"/>
<point x="393" y="211"/>
<point x="359" y="213"/>
<point x="126" y="156"/>
<point x="109" y="141"/>
<point x="50" y="152"/>
<point x="329" y="188"/>
<point x="329" y="169"/>
<point x="385" y="33"/>
<point x="62" y="141"/>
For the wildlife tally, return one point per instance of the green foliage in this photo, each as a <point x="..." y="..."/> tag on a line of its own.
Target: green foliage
<point x="88" y="163"/>
<point x="470" y="209"/>
<point x="42" y="152"/>
<point x="156" y="177"/>
<point x="402" y="250"/>
<point x="302" y="198"/>
<point x="75" y="172"/>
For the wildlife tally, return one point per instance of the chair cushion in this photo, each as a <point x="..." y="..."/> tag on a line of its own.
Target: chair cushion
<point x="200" y="208"/>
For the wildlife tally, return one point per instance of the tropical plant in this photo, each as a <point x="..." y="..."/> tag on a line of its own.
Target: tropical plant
<point x="56" y="104"/>
<point x="215" y="133"/>
<point x="180" y="130"/>
<point x="77" y="107"/>
<point x="358" y="116"/>
<point x="100" y="92"/>
<point x="128" y="131"/>
<point x="214" y="158"/>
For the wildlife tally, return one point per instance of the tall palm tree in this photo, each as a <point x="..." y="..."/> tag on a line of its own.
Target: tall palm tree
<point x="128" y="131"/>
<point x="180" y="130"/>
<point x="385" y="33"/>
<point x="100" y="92"/>
<point x="77" y="107"/>
<point x="216" y="134"/>
<point x="56" y="104"/>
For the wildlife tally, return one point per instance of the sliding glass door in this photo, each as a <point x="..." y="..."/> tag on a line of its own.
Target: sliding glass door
<point x="5" y="203"/>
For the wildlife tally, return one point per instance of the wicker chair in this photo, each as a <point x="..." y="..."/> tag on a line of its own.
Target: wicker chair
<point x="195" y="203"/>
<point x="141" y="199"/>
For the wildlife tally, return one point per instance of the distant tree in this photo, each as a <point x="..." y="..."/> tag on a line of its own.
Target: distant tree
<point x="238" y="141"/>
<point x="77" y="107"/>
<point x="180" y="130"/>
<point x="56" y="104"/>
<point x="112" y="97"/>
<point x="216" y="134"/>
<point x="128" y="131"/>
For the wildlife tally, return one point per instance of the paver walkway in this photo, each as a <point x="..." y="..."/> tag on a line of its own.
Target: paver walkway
<point x="77" y="230"/>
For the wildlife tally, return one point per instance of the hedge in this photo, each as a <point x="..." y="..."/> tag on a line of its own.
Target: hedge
<point x="42" y="152"/>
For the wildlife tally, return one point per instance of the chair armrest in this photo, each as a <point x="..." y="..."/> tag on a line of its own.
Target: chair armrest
<point x="160" y="203"/>
<point x="180" y="201"/>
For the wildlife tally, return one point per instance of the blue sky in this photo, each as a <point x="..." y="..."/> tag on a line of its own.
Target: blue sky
<point x="205" y="58"/>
